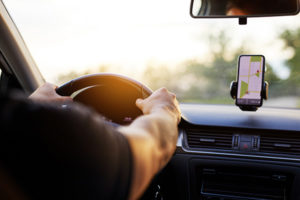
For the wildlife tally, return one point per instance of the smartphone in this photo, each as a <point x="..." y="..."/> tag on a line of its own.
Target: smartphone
<point x="250" y="80"/>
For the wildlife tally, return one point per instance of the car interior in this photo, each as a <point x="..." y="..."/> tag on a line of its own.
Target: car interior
<point x="222" y="153"/>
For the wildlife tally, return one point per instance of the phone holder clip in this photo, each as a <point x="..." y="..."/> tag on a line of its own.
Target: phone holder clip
<point x="264" y="95"/>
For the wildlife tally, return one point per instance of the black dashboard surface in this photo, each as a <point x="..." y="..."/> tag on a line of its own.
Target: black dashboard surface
<point x="193" y="169"/>
<point x="232" y="116"/>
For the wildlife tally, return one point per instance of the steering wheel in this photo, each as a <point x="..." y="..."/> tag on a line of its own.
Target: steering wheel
<point x="111" y="95"/>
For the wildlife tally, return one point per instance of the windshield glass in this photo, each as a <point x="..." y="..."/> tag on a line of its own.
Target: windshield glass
<point x="159" y="44"/>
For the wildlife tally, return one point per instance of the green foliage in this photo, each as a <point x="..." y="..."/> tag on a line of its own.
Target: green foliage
<point x="159" y="76"/>
<point x="291" y="38"/>
<point x="270" y="75"/>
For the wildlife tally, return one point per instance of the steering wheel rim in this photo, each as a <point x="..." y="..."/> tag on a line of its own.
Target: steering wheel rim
<point x="88" y="85"/>
<point x="98" y="79"/>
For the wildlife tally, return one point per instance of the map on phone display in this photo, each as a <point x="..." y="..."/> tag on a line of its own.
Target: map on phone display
<point x="250" y="80"/>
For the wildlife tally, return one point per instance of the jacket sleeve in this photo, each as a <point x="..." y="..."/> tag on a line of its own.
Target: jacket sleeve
<point x="70" y="153"/>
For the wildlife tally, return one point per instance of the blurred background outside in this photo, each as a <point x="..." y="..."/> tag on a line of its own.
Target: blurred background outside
<point x="159" y="44"/>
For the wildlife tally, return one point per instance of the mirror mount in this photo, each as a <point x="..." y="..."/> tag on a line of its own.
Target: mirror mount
<point x="243" y="21"/>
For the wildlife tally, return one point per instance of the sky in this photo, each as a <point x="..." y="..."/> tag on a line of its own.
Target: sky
<point x="73" y="35"/>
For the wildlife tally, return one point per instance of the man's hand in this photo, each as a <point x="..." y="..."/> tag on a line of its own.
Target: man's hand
<point x="152" y="137"/>
<point x="161" y="100"/>
<point x="46" y="93"/>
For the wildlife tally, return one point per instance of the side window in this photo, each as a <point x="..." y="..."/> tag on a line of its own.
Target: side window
<point x="8" y="83"/>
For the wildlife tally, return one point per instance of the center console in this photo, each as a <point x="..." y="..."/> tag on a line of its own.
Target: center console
<point x="221" y="183"/>
<point x="235" y="180"/>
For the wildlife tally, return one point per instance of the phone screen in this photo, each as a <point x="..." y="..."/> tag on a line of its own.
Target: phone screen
<point x="250" y="80"/>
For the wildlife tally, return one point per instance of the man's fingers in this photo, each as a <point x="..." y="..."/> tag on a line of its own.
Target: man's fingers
<point x="139" y="103"/>
<point x="47" y="93"/>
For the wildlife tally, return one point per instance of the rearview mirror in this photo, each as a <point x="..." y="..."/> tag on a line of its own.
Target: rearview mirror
<point x="243" y="8"/>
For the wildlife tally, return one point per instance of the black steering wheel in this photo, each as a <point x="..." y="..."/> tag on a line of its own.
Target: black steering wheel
<point x="112" y="95"/>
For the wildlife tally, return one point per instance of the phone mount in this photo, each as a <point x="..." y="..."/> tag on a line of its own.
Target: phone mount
<point x="264" y="94"/>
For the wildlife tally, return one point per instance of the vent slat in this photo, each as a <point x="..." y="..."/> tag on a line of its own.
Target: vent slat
<point x="203" y="144"/>
<point x="208" y="139"/>
<point x="280" y="144"/>
<point x="208" y="133"/>
<point x="216" y="140"/>
<point x="216" y="137"/>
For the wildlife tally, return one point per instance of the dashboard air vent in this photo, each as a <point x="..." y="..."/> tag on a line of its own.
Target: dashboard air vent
<point x="198" y="138"/>
<point x="280" y="143"/>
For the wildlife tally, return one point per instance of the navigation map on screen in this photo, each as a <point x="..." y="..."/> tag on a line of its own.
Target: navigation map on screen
<point x="250" y="80"/>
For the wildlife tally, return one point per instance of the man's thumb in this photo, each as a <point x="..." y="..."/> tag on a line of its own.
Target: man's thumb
<point x="139" y="103"/>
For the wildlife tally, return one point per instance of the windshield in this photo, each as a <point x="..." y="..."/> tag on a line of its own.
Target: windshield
<point x="159" y="44"/>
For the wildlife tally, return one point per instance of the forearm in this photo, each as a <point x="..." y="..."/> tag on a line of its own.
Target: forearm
<point x="161" y="128"/>
<point x="152" y="139"/>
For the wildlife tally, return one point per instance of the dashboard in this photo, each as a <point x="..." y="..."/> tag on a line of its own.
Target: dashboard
<point x="226" y="154"/>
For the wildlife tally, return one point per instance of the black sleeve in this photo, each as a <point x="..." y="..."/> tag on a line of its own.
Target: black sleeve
<point x="63" y="153"/>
